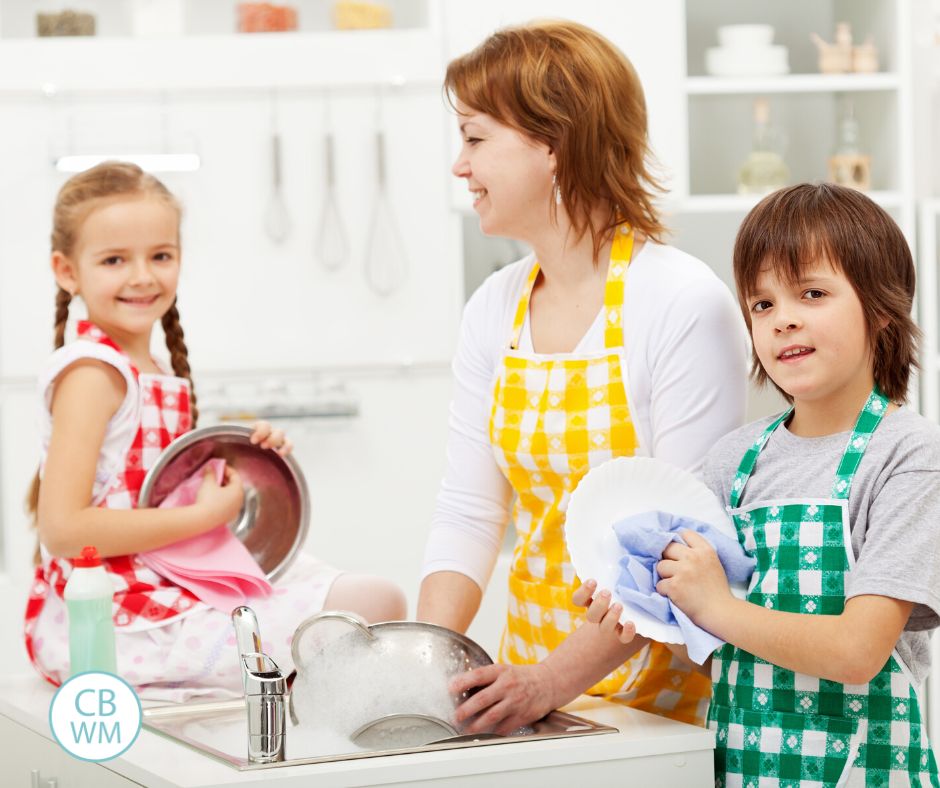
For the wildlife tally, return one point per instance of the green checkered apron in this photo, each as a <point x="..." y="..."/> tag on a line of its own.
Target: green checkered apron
<point x="775" y="727"/>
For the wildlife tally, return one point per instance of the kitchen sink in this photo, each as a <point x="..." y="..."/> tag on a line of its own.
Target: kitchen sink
<point x="220" y="731"/>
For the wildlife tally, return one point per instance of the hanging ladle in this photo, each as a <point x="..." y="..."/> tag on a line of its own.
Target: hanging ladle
<point x="332" y="244"/>
<point x="385" y="265"/>
<point x="276" y="218"/>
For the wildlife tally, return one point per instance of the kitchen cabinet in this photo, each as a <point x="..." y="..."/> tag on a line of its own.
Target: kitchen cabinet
<point x="33" y="753"/>
<point x="649" y="750"/>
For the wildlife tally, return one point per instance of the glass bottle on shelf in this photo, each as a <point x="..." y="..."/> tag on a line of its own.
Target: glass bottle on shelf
<point x="764" y="170"/>
<point x="848" y="166"/>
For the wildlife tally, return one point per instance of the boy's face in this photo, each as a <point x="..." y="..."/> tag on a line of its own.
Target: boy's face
<point x="810" y="335"/>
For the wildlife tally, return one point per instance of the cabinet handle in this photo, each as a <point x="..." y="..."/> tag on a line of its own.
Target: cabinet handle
<point x="34" y="778"/>
<point x="52" y="782"/>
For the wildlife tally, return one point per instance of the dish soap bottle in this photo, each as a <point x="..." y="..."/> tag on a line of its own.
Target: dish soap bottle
<point x="88" y="595"/>
<point x="764" y="170"/>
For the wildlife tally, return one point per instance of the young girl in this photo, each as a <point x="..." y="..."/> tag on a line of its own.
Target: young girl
<point x="108" y="411"/>
<point x="836" y="498"/>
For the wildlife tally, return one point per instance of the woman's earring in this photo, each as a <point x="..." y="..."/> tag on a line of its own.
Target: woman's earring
<point x="556" y="191"/>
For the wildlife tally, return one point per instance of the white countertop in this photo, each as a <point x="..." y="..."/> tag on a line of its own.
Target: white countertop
<point x="155" y="761"/>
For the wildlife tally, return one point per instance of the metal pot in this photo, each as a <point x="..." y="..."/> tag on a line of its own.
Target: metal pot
<point x="275" y="515"/>
<point x="417" y="650"/>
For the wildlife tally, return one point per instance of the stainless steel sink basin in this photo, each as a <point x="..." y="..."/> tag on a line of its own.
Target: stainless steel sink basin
<point x="220" y="730"/>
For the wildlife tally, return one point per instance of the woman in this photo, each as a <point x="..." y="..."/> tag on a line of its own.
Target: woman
<point x="602" y="343"/>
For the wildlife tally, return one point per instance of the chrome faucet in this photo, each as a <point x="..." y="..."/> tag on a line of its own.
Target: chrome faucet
<point x="265" y="690"/>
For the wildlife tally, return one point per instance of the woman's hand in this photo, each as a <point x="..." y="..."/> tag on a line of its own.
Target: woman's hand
<point x="693" y="577"/>
<point x="220" y="502"/>
<point x="267" y="437"/>
<point x="602" y="613"/>
<point x="511" y="696"/>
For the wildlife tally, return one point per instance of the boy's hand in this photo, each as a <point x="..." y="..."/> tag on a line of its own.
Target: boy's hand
<point x="693" y="577"/>
<point x="267" y="437"/>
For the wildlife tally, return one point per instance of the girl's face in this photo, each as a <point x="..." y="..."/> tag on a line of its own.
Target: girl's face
<point x="811" y="336"/>
<point x="509" y="175"/>
<point x="125" y="264"/>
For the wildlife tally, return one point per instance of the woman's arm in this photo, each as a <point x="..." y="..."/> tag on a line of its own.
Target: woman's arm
<point x="516" y="695"/>
<point x="449" y="599"/>
<point x="87" y="394"/>
<point x="849" y="648"/>
<point x="694" y="350"/>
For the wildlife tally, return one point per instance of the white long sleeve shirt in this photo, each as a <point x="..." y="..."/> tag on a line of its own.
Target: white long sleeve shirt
<point x="687" y="355"/>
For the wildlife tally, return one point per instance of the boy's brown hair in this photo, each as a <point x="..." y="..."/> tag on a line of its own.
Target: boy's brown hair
<point x="568" y="87"/>
<point x="795" y="227"/>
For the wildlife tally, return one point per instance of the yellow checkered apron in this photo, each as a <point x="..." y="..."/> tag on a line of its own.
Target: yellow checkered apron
<point x="554" y="417"/>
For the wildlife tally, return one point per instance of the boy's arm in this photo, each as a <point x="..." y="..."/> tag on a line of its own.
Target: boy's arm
<point x="849" y="648"/>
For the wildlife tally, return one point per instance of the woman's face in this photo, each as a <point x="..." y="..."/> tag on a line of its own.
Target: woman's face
<point x="509" y="175"/>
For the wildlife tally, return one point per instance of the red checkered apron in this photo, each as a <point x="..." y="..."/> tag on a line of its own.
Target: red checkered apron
<point x="142" y="598"/>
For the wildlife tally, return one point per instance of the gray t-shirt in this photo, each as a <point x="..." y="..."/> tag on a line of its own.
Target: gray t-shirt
<point x="894" y="506"/>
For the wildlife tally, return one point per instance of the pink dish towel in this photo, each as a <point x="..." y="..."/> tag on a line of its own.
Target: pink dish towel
<point x="215" y="566"/>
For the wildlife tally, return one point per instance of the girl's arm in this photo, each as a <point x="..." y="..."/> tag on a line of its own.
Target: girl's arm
<point x="87" y="394"/>
<point x="849" y="648"/>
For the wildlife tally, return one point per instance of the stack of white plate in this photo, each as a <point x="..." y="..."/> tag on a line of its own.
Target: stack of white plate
<point x="746" y="51"/>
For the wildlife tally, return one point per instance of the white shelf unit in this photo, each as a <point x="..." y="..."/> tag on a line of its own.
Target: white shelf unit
<point x="209" y="59"/>
<point x="720" y="109"/>
<point x="170" y="18"/>
<point x="929" y="303"/>
<point x="791" y="83"/>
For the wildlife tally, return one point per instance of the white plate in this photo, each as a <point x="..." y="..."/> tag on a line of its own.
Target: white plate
<point x="626" y="486"/>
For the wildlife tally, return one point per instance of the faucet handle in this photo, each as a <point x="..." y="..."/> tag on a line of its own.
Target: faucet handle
<point x="247" y="638"/>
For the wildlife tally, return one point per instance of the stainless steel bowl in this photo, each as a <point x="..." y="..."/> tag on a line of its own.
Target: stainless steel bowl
<point x="418" y="649"/>
<point x="275" y="516"/>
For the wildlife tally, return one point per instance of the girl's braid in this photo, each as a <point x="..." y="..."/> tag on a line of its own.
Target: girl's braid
<point x="179" y="355"/>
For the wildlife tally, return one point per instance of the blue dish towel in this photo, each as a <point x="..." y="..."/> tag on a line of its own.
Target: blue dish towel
<point x="643" y="538"/>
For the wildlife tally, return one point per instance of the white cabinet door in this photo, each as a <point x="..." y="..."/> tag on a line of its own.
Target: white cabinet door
<point x="26" y="751"/>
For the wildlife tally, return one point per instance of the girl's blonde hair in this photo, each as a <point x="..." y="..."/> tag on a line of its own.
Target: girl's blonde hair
<point x="568" y="87"/>
<point x="79" y="196"/>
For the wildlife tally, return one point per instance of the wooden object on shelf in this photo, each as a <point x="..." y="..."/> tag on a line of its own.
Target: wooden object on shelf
<point x="844" y="57"/>
<point x="865" y="57"/>
<point x="266" y="18"/>
<point x="356" y="15"/>
<point x="835" y="58"/>
<point x="65" y="23"/>
<point x="851" y="169"/>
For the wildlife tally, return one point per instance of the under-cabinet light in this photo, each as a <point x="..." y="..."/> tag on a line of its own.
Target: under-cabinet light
<point x="150" y="162"/>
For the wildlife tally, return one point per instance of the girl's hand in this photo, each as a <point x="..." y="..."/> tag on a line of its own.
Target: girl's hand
<point x="693" y="577"/>
<point x="602" y="613"/>
<point x="221" y="503"/>
<point x="269" y="438"/>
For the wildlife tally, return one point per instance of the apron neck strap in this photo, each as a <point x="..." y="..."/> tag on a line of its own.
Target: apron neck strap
<point x="621" y="253"/>
<point x="750" y="459"/>
<point x="865" y="425"/>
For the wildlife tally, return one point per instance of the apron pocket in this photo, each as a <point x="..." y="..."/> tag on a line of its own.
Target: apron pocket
<point x="783" y="745"/>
